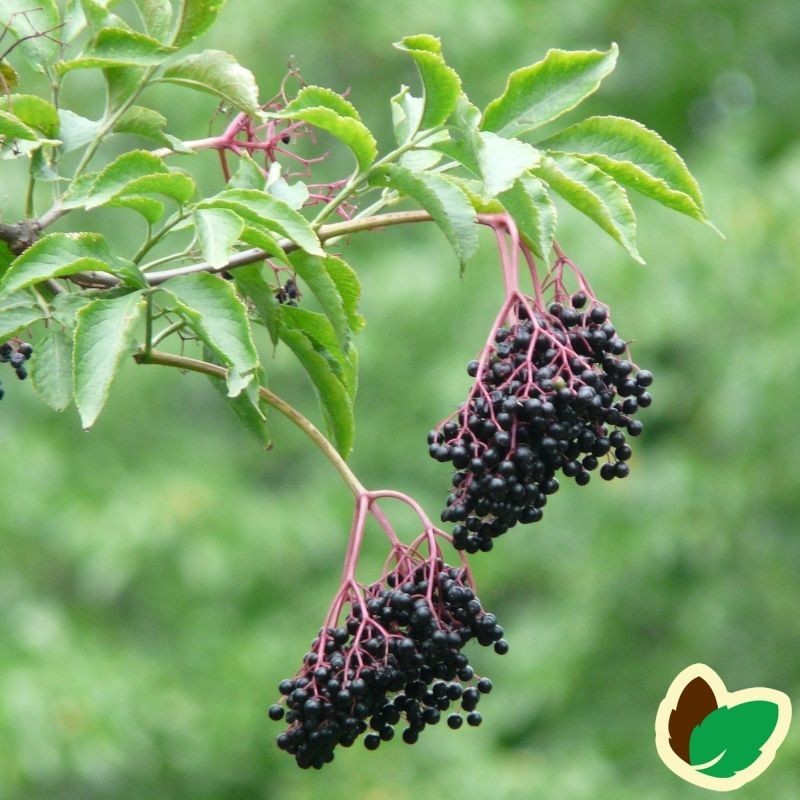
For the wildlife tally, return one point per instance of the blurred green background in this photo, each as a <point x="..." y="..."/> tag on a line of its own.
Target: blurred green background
<point x="160" y="575"/>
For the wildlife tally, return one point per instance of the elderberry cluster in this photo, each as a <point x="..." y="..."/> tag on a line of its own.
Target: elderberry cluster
<point x="553" y="393"/>
<point x="16" y="356"/>
<point x="397" y="658"/>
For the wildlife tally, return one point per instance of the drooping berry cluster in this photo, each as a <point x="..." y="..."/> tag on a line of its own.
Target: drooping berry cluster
<point x="398" y="657"/>
<point x="15" y="353"/>
<point x="553" y="393"/>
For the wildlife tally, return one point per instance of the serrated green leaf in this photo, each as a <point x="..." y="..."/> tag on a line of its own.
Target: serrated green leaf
<point x="156" y="16"/>
<point x="544" y="91"/>
<point x="594" y="194"/>
<point x="349" y="288"/>
<point x="313" y="271"/>
<point x="11" y="127"/>
<point x="252" y="283"/>
<point x="51" y="369"/>
<point x="103" y="339"/>
<point x="56" y="255"/>
<point x="218" y="230"/>
<point x="16" y="317"/>
<point x="144" y="122"/>
<point x="75" y="131"/>
<point x="214" y="312"/>
<point x="318" y="328"/>
<point x="34" y="112"/>
<point x="735" y="735"/>
<point x="443" y="200"/>
<point x="217" y="73"/>
<point x="334" y="400"/>
<point x="118" y="47"/>
<point x="150" y="208"/>
<point x="529" y="203"/>
<point x="636" y="157"/>
<point x="139" y="172"/>
<point x="266" y="211"/>
<point x="257" y="236"/>
<point x="333" y="114"/>
<point x="441" y="82"/>
<point x="25" y="19"/>
<point x="195" y="17"/>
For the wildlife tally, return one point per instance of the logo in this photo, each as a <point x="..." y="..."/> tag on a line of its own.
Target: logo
<point x="717" y="739"/>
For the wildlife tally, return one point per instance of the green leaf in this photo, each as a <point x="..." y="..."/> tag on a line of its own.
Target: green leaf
<point x="121" y="84"/>
<point x="75" y="131"/>
<point x="248" y="407"/>
<point x="406" y="114"/>
<point x="218" y="73"/>
<point x="333" y="114"/>
<point x="118" y="47"/>
<point x="594" y="194"/>
<point x="268" y="212"/>
<point x="11" y="127"/>
<point x="349" y="288"/>
<point x="98" y="16"/>
<point x="529" y="203"/>
<point x="65" y="306"/>
<point x="735" y="735"/>
<point x="218" y="230"/>
<point x="16" y="317"/>
<point x="51" y="369"/>
<point x="313" y="271"/>
<point x="334" y="399"/>
<point x="139" y="172"/>
<point x="104" y="337"/>
<point x="248" y="175"/>
<point x="34" y="112"/>
<point x="144" y="122"/>
<point x="156" y="16"/>
<point x="252" y="283"/>
<point x="150" y="208"/>
<point x="25" y="18"/>
<point x="441" y="82"/>
<point x="445" y="202"/>
<point x="195" y="17"/>
<point x="55" y="255"/>
<point x="215" y="313"/>
<point x="318" y="328"/>
<point x="544" y="91"/>
<point x="294" y="195"/>
<point x="635" y="156"/>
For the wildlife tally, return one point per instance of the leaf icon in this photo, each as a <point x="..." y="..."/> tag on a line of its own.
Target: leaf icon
<point x="730" y="739"/>
<point x="696" y="702"/>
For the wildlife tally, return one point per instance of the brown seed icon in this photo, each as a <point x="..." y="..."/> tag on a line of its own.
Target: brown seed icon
<point x="696" y="702"/>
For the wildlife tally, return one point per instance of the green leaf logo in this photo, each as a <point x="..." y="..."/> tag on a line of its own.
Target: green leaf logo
<point x="717" y="739"/>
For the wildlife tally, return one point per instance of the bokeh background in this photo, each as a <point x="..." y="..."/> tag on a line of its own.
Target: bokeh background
<point x="160" y="575"/>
